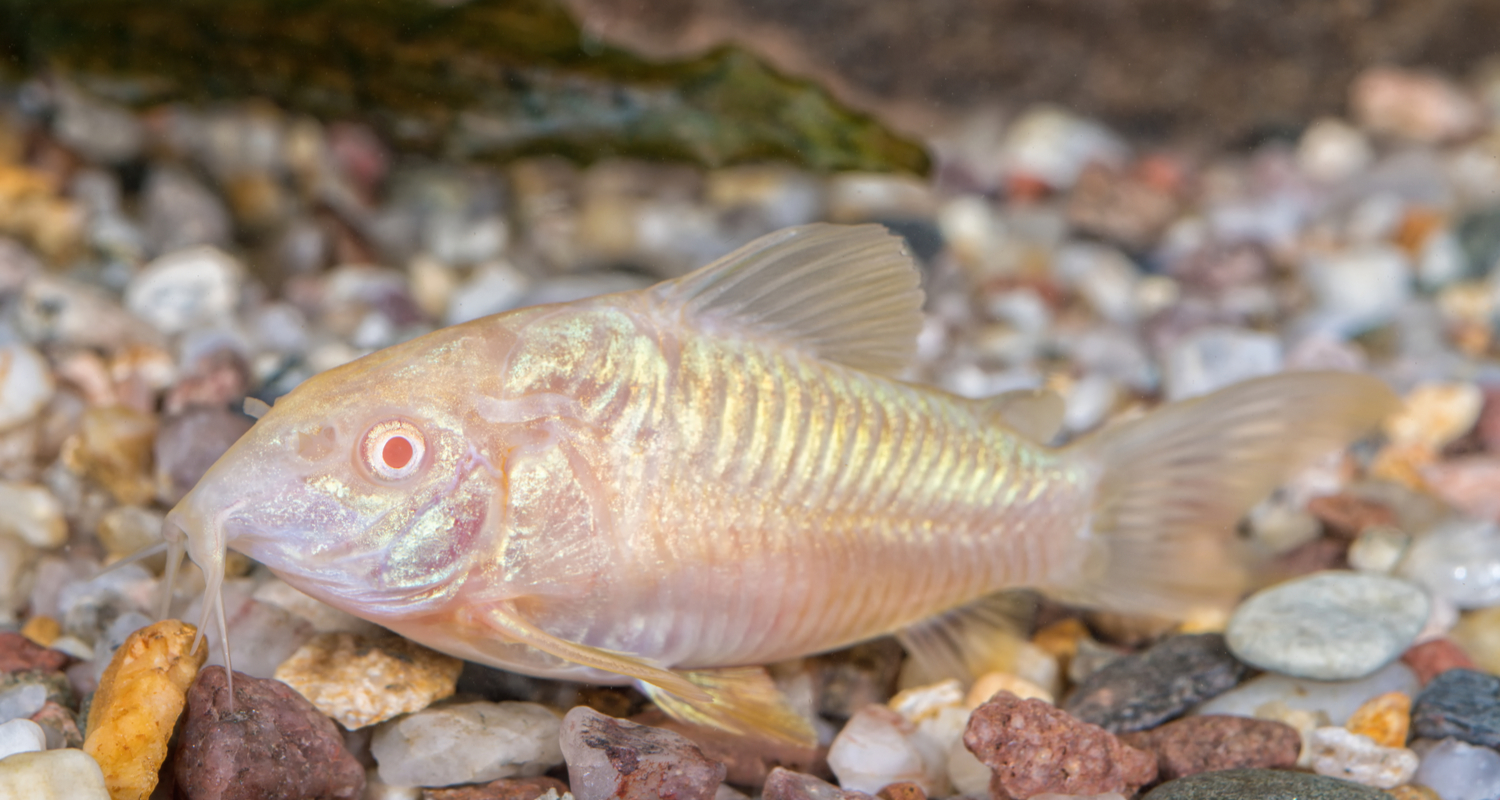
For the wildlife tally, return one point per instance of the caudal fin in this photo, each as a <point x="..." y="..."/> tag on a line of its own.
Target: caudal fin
<point x="1175" y="482"/>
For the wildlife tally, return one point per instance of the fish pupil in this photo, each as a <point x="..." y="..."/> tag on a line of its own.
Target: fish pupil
<point x="397" y="452"/>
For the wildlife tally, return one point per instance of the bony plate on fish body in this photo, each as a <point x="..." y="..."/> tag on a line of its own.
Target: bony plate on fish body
<point x="669" y="486"/>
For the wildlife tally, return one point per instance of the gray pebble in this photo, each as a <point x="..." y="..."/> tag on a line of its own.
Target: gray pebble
<point x="1262" y="784"/>
<point x="1141" y="691"/>
<point x="20" y="702"/>
<point x="1330" y="626"/>
<point x="1460" y="703"/>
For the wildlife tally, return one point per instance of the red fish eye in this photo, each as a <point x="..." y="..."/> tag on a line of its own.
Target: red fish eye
<point x="393" y="449"/>
<point x="397" y="452"/>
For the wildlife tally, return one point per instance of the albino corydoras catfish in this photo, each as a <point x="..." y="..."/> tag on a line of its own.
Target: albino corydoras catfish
<point x="672" y="485"/>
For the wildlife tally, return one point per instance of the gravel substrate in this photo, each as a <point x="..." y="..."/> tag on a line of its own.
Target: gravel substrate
<point x="157" y="269"/>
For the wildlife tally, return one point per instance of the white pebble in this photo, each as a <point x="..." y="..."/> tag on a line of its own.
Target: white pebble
<point x="20" y="702"/>
<point x="52" y="775"/>
<point x="1331" y="150"/>
<point x="467" y="743"/>
<point x="1337" y="699"/>
<point x="1458" y="561"/>
<point x="1460" y="771"/>
<point x="21" y="736"/>
<point x="1217" y="357"/>
<point x="186" y="289"/>
<point x="1359" y="288"/>
<point x="1378" y="549"/>
<point x="876" y="748"/>
<point x="32" y="514"/>
<point x="26" y="384"/>
<point x="1341" y="753"/>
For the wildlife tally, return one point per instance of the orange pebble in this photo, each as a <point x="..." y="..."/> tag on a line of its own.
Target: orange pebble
<point x="42" y="629"/>
<point x="1385" y="719"/>
<point x="1060" y="639"/>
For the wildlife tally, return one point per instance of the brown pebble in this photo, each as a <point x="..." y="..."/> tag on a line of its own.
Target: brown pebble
<point x="20" y="654"/>
<point x="1346" y="516"/>
<point x="503" y="789"/>
<point x="905" y="790"/>
<point x="1434" y="657"/>
<point x="1385" y="719"/>
<point x="616" y="758"/>
<point x="113" y="447"/>
<point x="1212" y="743"/>
<point x="267" y="743"/>
<point x="783" y="784"/>
<point x="189" y="443"/>
<point x="1034" y="748"/>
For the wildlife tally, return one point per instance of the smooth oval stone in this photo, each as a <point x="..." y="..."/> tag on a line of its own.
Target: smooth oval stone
<point x="1460" y="771"/>
<point x="1262" y="784"/>
<point x="1330" y="626"/>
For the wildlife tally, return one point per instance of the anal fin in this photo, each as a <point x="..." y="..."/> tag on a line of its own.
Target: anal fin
<point x="742" y="700"/>
<point x="987" y="635"/>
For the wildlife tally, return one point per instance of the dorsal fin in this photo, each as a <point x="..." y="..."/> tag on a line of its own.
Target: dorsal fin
<point x="846" y="293"/>
<point x="1036" y="414"/>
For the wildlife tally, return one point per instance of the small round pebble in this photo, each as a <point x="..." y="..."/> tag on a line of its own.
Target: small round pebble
<point x="783" y="784"/>
<point x="1262" y="784"/>
<point x="1434" y="657"/>
<point x="467" y="743"/>
<point x="1330" y="626"/>
<point x="1460" y="771"/>
<point x="1461" y="703"/>
<point x="21" y="736"/>
<point x="52" y="775"/>
<point x="26" y="384"/>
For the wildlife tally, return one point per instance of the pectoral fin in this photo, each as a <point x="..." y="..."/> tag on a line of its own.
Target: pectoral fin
<point x="741" y="700"/>
<point x="508" y="622"/>
<point x="966" y="642"/>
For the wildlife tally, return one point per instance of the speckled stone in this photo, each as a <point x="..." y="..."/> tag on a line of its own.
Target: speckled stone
<point x="273" y="745"/>
<point x="1142" y="691"/>
<point x="1460" y="703"/>
<point x="1262" y="784"/>
<point x="1341" y="753"/>
<point x="1215" y="743"/>
<point x="360" y="681"/>
<point x="1035" y="748"/>
<point x="614" y="758"/>
<point x="749" y="759"/>
<point x="1329" y="626"/>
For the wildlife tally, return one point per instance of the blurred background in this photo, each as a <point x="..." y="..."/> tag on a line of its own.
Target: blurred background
<point x="1127" y="202"/>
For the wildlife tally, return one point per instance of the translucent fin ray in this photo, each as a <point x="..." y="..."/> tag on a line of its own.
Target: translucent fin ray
<point x="850" y="294"/>
<point x="1174" y="484"/>
<point x="741" y="700"/>
<point x="968" y="641"/>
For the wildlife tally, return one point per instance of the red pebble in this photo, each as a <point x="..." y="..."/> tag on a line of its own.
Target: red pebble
<point x="1035" y="749"/>
<point x="1432" y="658"/>
<point x="19" y="654"/>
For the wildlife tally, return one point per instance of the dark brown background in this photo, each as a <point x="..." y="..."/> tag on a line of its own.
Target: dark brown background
<point x="1157" y="69"/>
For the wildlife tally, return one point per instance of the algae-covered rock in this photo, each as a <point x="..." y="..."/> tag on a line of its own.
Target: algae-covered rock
<point x="492" y="79"/>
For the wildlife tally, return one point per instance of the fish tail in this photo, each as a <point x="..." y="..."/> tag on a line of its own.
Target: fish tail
<point x="1174" y="483"/>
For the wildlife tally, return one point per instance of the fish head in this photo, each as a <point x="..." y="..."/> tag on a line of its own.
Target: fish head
<point x="363" y="487"/>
